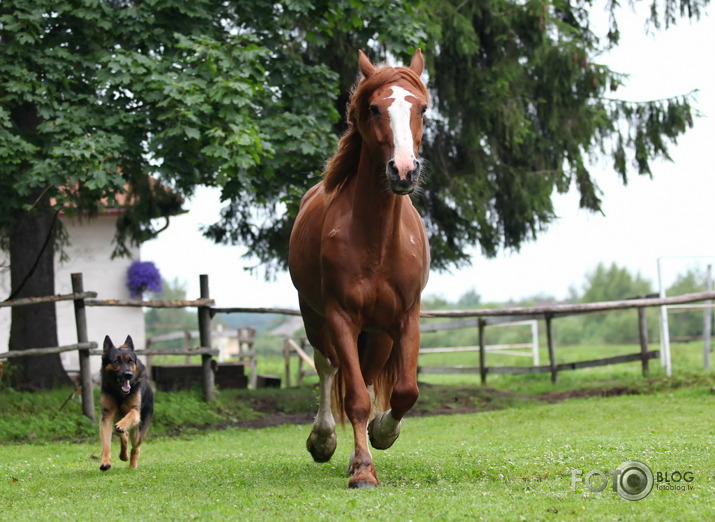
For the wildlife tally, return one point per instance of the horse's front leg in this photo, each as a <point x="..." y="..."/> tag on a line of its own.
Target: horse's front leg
<point x="357" y="400"/>
<point x="357" y="408"/>
<point x="385" y="427"/>
<point x="322" y="441"/>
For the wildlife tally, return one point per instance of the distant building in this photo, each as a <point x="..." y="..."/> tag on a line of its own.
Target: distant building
<point x="90" y="253"/>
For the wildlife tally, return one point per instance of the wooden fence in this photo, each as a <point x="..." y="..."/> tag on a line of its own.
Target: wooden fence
<point x="206" y="311"/>
<point x="290" y="346"/>
<point x="548" y="313"/>
<point x="85" y="348"/>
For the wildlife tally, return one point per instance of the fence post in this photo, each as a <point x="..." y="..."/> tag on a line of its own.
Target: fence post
<point x="707" y="319"/>
<point x="85" y="371"/>
<point x="301" y="372"/>
<point x="643" y="336"/>
<point x="299" y="379"/>
<point x="482" y="352"/>
<point x="204" y="313"/>
<point x="187" y="346"/>
<point x="246" y="339"/>
<point x="286" y="356"/>
<point x="552" y="350"/>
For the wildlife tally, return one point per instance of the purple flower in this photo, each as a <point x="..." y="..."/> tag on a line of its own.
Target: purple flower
<point x="141" y="276"/>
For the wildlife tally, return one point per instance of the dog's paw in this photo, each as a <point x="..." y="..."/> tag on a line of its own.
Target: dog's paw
<point x="119" y="429"/>
<point x="105" y="467"/>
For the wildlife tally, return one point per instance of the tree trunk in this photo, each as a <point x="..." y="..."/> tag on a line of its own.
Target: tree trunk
<point x="34" y="326"/>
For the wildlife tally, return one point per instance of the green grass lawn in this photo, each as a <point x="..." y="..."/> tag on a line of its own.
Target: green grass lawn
<point x="508" y="464"/>
<point x="513" y="460"/>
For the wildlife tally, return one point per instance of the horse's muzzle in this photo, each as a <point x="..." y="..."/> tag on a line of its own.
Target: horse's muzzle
<point x="403" y="184"/>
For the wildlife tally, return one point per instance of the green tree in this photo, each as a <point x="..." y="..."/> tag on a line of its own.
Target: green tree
<point x="469" y="299"/>
<point x="613" y="283"/>
<point x="607" y="283"/>
<point x="97" y="95"/>
<point x="521" y="103"/>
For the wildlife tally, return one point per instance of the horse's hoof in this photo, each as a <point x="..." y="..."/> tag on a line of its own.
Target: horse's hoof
<point x="381" y="441"/>
<point x="363" y="480"/>
<point x="362" y="485"/>
<point x="363" y="475"/>
<point x="323" y="452"/>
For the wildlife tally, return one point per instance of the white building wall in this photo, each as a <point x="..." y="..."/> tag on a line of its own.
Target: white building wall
<point x="89" y="253"/>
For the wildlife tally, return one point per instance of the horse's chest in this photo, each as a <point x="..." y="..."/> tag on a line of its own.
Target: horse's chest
<point x="375" y="284"/>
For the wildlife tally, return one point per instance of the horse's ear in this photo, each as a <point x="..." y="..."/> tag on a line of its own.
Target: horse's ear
<point x="108" y="344"/>
<point x="366" y="66"/>
<point x="417" y="65"/>
<point x="129" y="343"/>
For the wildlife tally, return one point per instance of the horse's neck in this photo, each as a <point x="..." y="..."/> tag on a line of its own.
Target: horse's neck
<point x="376" y="209"/>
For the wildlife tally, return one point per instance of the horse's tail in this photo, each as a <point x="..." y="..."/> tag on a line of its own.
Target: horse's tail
<point x="383" y="386"/>
<point x="338" y="402"/>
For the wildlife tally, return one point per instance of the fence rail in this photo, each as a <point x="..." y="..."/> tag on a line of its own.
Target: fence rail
<point x="31" y="352"/>
<point x="478" y="318"/>
<point x="25" y="301"/>
<point x="538" y="312"/>
<point x="137" y="303"/>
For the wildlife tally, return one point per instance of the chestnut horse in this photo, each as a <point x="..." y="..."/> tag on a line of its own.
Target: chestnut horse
<point x="359" y="259"/>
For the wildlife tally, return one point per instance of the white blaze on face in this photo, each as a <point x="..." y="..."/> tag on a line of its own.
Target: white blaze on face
<point x="400" y="111"/>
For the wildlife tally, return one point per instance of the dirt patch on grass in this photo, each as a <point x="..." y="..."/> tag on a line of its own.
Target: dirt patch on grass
<point x="298" y="405"/>
<point x="588" y="392"/>
<point x="274" y="419"/>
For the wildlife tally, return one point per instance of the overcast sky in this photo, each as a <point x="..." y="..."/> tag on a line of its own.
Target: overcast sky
<point x="670" y="216"/>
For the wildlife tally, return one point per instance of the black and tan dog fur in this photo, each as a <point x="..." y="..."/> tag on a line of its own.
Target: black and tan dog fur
<point x="127" y="401"/>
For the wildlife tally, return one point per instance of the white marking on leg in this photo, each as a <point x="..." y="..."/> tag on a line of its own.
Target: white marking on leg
<point x="321" y="442"/>
<point x="373" y="400"/>
<point x="400" y="112"/>
<point x="324" y="417"/>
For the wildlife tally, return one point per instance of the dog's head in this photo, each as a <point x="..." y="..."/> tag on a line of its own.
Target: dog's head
<point x="120" y="363"/>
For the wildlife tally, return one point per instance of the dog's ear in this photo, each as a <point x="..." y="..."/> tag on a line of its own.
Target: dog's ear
<point x="108" y="344"/>
<point x="129" y="343"/>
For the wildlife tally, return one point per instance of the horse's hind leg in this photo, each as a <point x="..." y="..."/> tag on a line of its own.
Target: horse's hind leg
<point x="322" y="440"/>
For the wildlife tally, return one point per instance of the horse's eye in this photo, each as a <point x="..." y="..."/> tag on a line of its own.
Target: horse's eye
<point x="374" y="110"/>
<point x="423" y="110"/>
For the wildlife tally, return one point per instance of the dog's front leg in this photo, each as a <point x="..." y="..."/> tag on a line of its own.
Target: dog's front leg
<point x="131" y="418"/>
<point x="109" y="410"/>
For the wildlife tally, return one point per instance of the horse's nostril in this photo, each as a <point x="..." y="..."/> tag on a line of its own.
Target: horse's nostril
<point x="392" y="168"/>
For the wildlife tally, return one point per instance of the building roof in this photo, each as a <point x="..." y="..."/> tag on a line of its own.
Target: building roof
<point x="123" y="200"/>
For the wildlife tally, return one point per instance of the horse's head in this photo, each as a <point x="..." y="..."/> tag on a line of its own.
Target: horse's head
<point x="389" y="106"/>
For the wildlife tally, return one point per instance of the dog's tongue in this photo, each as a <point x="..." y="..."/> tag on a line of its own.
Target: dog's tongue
<point x="127" y="386"/>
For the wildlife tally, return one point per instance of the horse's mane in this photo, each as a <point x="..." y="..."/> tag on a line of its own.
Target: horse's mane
<point x="344" y="163"/>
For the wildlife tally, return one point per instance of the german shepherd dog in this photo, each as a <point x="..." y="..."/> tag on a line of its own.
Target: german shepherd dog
<point x="126" y="398"/>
